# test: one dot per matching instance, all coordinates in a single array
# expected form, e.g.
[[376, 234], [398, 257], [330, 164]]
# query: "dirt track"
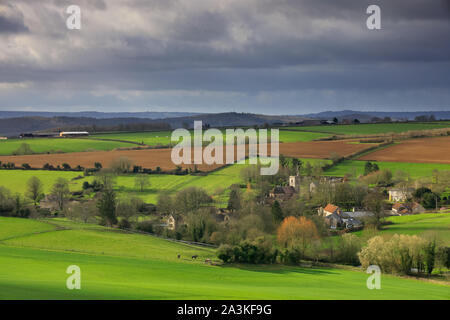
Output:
[[152, 158], [427, 150]]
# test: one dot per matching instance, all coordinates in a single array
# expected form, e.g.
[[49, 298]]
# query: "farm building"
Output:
[[330, 209], [73, 133], [403, 209], [3, 138], [352, 223], [332, 215], [39, 135], [400, 195], [335, 218], [358, 214]]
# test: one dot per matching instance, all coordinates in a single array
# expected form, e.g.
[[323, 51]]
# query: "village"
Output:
[[397, 202]]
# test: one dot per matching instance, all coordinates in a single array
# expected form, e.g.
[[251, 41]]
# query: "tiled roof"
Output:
[[283, 190], [331, 208]]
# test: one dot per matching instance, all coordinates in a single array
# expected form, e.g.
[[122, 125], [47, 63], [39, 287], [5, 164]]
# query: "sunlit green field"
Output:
[[215, 183], [12, 227], [52, 145], [116, 265], [426, 224], [377, 128], [16, 180], [433, 223], [415, 170], [147, 138]]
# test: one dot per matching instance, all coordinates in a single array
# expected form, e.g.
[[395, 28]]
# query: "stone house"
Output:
[[400, 195]]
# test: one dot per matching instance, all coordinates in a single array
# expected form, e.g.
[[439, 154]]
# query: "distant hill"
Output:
[[17, 125], [365, 116], [12, 123], [95, 114]]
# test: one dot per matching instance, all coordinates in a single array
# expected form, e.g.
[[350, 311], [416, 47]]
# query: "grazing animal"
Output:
[[179, 256], [194, 257]]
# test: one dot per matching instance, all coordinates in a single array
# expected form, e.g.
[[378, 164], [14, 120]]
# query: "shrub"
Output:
[[26, 166], [430, 255], [225, 253], [291, 256], [124, 224], [145, 226], [430, 200], [443, 257], [66, 166], [48, 166], [258, 251], [349, 247], [420, 192]]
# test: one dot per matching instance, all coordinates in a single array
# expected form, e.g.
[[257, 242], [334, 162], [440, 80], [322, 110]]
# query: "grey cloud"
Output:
[[11, 20], [240, 47]]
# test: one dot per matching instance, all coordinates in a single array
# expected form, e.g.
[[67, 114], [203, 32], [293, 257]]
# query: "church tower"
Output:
[[294, 182]]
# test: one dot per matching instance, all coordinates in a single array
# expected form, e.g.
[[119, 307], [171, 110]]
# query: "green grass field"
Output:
[[116, 265], [292, 136], [437, 224], [52, 145], [11, 228], [378, 128], [16, 180], [147, 138], [215, 183], [164, 137], [356, 168]]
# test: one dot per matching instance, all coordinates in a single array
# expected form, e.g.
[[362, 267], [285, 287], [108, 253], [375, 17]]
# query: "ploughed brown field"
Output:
[[152, 158], [427, 150], [322, 149]]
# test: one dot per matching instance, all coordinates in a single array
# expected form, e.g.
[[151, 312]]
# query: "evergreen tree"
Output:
[[277, 213], [234, 202], [367, 168]]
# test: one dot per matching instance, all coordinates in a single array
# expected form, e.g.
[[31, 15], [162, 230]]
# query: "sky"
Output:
[[258, 56]]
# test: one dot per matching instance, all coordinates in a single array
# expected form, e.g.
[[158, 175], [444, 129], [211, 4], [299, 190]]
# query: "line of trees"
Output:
[[401, 254]]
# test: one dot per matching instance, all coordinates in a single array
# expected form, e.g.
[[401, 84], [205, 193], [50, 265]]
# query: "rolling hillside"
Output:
[[117, 265]]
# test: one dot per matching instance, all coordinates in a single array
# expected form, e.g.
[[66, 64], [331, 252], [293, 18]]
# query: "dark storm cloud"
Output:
[[11, 21], [256, 48]]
